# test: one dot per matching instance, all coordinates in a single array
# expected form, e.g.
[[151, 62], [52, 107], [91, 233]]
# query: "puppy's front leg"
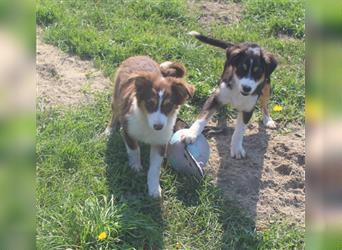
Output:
[[156, 158], [264, 98], [114, 123], [214, 102], [133, 151], [236, 149]]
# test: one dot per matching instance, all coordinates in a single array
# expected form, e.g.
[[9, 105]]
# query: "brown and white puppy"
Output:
[[245, 78], [146, 101]]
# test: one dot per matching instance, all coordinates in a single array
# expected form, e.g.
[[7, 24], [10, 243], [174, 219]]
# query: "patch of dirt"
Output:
[[270, 181], [219, 11], [65, 79]]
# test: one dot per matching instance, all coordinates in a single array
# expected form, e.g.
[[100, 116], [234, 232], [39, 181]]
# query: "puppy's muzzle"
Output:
[[246, 90], [158, 126]]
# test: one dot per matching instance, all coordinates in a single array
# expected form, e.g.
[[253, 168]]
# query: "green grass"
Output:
[[84, 186], [108, 32]]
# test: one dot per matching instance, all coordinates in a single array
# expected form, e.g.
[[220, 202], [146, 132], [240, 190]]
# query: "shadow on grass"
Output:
[[236, 178], [236, 228], [130, 190]]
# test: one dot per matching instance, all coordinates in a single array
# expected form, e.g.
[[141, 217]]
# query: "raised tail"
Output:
[[211, 41]]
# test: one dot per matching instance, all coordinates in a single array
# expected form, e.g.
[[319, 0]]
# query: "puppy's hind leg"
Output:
[[114, 123], [264, 98]]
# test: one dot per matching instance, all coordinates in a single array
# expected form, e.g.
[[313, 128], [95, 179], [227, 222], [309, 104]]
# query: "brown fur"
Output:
[[264, 98], [174, 70], [140, 77]]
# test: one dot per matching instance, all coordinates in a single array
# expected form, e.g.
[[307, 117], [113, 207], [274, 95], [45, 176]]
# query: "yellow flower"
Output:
[[178, 246], [102, 236], [277, 108]]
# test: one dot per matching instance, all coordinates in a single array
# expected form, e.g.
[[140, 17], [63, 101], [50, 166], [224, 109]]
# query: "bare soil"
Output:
[[269, 182], [223, 12], [65, 79]]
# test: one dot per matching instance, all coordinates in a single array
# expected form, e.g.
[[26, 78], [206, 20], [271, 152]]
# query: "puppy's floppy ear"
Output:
[[142, 83], [172, 69], [181, 91], [233, 53], [271, 63]]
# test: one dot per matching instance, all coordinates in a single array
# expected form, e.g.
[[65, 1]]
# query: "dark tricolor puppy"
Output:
[[146, 101], [245, 78]]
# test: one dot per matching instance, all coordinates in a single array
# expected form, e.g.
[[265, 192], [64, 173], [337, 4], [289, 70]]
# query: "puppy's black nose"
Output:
[[158, 126], [246, 88]]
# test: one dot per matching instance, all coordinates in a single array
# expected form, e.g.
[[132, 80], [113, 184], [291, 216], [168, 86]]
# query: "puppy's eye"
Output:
[[167, 107], [150, 104]]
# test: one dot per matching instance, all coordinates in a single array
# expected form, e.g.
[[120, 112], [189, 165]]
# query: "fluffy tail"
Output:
[[172, 69], [211, 41]]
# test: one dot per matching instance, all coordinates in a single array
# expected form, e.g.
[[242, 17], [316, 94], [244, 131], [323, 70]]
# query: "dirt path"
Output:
[[269, 182]]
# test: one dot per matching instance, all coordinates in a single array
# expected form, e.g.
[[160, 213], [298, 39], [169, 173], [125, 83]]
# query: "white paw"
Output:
[[237, 152], [188, 136], [136, 167], [269, 123], [134, 163], [154, 192], [108, 132]]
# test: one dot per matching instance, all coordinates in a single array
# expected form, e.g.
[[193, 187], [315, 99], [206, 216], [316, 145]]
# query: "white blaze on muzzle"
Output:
[[157, 120], [247, 83]]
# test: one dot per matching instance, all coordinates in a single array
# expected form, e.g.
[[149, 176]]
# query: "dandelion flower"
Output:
[[102, 236], [178, 245], [277, 108]]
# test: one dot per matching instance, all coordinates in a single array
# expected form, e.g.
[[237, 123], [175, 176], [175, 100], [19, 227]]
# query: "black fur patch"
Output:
[[247, 116]]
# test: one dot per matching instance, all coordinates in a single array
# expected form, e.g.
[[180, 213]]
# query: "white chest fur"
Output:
[[139, 129], [235, 98]]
